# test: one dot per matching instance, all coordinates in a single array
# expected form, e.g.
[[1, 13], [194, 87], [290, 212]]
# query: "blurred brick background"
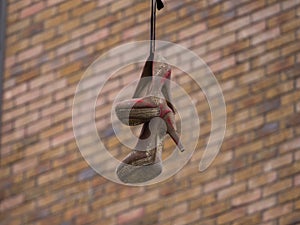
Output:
[[253, 48]]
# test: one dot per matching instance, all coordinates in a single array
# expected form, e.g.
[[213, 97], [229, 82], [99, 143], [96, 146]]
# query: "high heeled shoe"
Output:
[[141, 166], [153, 110], [141, 110]]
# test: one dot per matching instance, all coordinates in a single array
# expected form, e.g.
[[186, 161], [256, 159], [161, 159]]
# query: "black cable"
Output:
[[159, 5]]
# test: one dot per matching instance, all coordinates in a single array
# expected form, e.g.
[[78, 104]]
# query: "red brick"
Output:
[[191, 31], [223, 64], [207, 36], [236, 24], [95, 37], [265, 59], [251, 77], [54, 2], [62, 138], [70, 46], [266, 36], [17, 90], [12, 202], [297, 178], [26, 119], [30, 53], [217, 184], [222, 42], [249, 7], [17, 5], [289, 3], [251, 53], [26, 12], [24, 165], [261, 205], [116, 208], [131, 216], [266, 12]]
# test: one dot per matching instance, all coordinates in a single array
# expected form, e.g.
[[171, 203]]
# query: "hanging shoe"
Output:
[[144, 165], [141, 110]]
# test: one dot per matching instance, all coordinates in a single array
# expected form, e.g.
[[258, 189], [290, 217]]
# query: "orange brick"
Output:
[[289, 170], [150, 196], [282, 40], [246, 198], [49, 177], [249, 220], [189, 217], [236, 47], [247, 173], [281, 18], [231, 215], [290, 218], [220, 19], [277, 212], [169, 213], [45, 14], [249, 7], [278, 162], [277, 187], [56, 21], [19, 25], [235, 71], [231, 191], [280, 64], [56, 42], [12, 202], [216, 209]]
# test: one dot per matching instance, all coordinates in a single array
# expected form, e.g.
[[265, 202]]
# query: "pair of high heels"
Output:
[[157, 115]]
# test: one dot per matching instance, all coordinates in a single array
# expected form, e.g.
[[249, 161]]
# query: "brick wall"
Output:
[[252, 46]]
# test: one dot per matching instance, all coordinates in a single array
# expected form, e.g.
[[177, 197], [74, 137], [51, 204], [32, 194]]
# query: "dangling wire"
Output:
[[159, 5]]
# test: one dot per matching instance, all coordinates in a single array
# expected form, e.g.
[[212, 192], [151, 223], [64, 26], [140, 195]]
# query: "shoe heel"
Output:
[[174, 135], [171, 130]]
